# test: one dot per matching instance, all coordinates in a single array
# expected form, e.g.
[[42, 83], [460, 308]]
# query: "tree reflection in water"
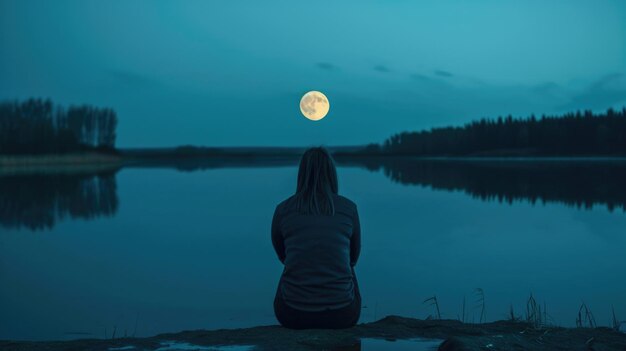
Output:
[[579, 183], [38, 201]]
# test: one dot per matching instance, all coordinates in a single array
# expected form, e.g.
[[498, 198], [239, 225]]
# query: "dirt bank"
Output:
[[501, 335]]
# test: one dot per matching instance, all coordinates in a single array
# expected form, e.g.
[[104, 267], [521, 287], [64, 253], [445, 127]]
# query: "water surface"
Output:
[[166, 247]]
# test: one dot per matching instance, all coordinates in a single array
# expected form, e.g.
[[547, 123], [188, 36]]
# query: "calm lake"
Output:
[[163, 246]]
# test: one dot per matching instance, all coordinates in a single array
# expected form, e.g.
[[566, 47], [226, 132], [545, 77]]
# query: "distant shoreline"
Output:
[[122, 157], [74, 163], [58, 159], [32, 135]]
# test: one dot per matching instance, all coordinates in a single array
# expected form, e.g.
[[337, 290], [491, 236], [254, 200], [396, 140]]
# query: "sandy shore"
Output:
[[68, 163], [77, 158]]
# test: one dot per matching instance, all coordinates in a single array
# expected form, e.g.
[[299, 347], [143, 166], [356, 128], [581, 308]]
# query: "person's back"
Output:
[[318, 255], [316, 234]]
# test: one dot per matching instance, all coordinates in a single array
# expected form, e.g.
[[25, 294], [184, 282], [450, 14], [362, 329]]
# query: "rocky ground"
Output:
[[501, 335]]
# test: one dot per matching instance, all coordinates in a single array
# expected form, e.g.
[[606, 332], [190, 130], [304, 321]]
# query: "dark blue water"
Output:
[[146, 250]]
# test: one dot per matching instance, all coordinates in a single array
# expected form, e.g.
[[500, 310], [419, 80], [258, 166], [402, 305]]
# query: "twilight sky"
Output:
[[224, 73]]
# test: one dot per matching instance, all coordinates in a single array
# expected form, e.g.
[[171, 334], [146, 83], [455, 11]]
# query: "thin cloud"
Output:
[[545, 88], [381, 68], [131, 78], [326, 66], [444, 74], [420, 77], [605, 92]]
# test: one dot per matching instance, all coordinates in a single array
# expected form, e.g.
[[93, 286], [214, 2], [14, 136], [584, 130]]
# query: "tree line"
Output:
[[37, 126], [577, 133]]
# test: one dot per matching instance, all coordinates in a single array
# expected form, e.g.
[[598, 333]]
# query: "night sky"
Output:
[[232, 72]]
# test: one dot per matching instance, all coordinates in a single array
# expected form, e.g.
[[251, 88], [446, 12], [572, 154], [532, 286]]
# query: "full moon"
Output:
[[314, 105]]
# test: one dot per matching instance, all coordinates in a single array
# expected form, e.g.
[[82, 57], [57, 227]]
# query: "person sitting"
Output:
[[317, 236]]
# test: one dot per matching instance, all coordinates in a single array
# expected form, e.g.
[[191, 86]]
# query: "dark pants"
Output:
[[344, 317]]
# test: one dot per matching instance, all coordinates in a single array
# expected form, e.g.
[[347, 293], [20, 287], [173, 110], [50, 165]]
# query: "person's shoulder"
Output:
[[347, 202], [286, 203]]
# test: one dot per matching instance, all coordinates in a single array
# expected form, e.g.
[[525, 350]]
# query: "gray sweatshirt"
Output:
[[318, 252]]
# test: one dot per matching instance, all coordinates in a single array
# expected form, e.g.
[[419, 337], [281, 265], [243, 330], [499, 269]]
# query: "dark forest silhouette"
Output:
[[38, 201], [37, 126], [572, 134]]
